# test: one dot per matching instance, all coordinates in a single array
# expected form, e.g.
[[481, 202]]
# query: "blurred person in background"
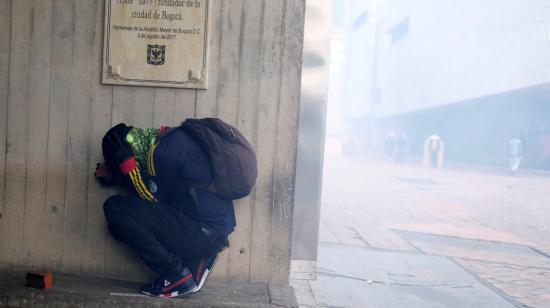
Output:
[[433, 151], [515, 153]]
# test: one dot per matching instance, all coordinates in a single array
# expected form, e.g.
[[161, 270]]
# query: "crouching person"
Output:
[[177, 228]]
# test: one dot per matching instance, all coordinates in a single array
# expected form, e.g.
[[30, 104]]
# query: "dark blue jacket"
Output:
[[173, 164]]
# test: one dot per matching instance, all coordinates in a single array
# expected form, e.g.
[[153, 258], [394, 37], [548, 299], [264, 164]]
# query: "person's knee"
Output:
[[115, 215], [121, 208], [113, 206]]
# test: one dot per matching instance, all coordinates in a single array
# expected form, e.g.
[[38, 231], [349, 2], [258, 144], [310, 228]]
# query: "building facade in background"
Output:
[[475, 73]]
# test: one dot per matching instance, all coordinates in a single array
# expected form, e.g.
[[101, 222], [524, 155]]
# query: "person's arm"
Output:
[[134, 177]]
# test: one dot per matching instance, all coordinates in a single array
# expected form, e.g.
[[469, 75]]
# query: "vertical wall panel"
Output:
[[79, 134], [183, 106], [228, 65], [205, 105], [123, 108], [55, 111], [287, 136], [226, 106], [164, 106], [60, 89], [101, 104], [39, 87], [144, 103], [11, 242], [246, 122], [268, 100], [5, 28]]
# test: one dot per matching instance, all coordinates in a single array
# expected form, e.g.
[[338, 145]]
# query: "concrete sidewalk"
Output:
[[77, 291], [351, 276], [407, 236]]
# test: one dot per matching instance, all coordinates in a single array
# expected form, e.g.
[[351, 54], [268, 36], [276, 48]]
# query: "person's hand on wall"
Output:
[[103, 174]]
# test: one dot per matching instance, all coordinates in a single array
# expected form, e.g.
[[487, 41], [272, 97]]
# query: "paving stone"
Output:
[[362, 277]]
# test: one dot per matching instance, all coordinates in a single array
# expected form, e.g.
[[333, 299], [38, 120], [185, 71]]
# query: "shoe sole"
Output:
[[168, 295], [204, 277]]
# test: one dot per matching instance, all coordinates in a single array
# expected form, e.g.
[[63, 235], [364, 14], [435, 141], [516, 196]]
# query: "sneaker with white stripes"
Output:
[[167, 287]]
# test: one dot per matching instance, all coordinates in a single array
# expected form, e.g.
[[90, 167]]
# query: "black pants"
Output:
[[165, 238]]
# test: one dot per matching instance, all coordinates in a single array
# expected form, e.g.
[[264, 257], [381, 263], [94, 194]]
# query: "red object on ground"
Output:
[[39, 280]]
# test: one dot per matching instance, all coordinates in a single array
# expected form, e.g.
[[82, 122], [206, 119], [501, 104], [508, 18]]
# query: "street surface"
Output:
[[410, 236]]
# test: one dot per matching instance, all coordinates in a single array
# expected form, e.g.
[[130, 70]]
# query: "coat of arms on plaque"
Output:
[[156, 54]]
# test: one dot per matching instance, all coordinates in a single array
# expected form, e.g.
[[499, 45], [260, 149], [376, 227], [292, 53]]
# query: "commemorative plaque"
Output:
[[160, 43]]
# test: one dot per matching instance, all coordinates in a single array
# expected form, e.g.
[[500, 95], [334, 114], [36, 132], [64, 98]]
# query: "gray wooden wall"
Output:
[[54, 112]]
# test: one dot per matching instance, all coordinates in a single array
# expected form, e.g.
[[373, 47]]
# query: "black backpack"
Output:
[[231, 157]]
